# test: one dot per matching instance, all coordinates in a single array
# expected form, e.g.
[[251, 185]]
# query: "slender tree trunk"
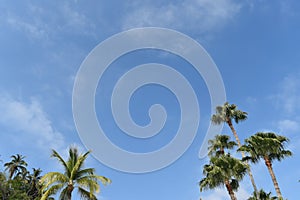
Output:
[[229, 122], [230, 191], [270, 168]]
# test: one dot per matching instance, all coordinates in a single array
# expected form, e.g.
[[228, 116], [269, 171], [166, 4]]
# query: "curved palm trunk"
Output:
[[230, 191], [270, 168], [229, 122]]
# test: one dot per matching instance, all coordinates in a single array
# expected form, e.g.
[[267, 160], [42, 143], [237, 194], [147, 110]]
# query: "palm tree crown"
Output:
[[219, 144], [16, 166], [227, 112], [223, 170], [265, 145], [262, 196], [74, 176], [269, 147]]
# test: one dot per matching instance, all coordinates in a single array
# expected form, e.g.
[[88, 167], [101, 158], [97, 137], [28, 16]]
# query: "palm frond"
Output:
[[84, 194], [53, 177], [60, 159], [52, 190]]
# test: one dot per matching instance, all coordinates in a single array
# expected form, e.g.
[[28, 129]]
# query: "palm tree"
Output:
[[262, 196], [269, 147], [74, 176], [218, 145], [33, 181], [226, 114], [218, 171], [16, 166], [223, 170]]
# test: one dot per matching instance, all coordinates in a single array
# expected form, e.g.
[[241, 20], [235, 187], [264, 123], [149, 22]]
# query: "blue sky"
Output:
[[254, 43]]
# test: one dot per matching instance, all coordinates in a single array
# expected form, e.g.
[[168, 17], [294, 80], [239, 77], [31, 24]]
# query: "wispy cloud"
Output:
[[199, 15], [289, 126], [287, 104], [288, 96], [48, 22], [28, 122]]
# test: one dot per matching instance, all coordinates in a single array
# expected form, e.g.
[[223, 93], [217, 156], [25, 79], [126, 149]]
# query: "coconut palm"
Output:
[[33, 181], [16, 166], [263, 196], [269, 147], [226, 114], [218, 145], [74, 176], [223, 170]]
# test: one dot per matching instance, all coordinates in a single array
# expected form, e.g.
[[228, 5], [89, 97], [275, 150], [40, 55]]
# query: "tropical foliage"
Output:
[[74, 176], [16, 166], [269, 147], [222, 169], [226, 114], [19, 184], [262, 195]]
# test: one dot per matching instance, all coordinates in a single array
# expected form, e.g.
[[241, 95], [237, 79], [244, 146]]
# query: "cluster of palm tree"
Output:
[[17, 183], [223, 169]]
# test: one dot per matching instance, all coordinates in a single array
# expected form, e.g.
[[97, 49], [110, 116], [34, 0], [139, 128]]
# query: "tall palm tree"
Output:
[[74, 176], [262, 196], [16, 166], [223, 170], [269, 147], [226, 114], [218, 145]]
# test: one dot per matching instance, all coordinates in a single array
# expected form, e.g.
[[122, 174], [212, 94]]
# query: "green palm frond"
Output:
[[78, 164], [60, 159], [266, 144], [84, 172], [219, 144], [228, 112], [53, 177], [221, 169], [89, 183], [103, 179], [64, 194], [84, 194], [52, 190], [74, 176]]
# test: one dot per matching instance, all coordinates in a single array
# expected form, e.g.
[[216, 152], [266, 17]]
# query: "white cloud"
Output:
[[34, 30], [288, 126], [288, 97], [28, 122], [48, 22], [200, 15]]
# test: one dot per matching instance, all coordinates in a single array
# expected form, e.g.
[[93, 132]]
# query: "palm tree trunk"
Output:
[[70, 190], [229, 122], [270, 168], [230, 191]]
